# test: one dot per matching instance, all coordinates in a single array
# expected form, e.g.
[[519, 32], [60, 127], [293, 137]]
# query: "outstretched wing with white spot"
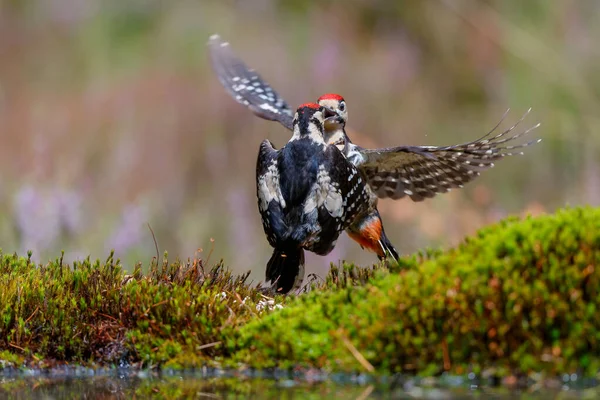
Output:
[[423, 171], [246, 86]]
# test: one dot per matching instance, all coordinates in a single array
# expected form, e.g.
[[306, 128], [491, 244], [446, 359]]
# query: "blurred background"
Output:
[[111, 118]]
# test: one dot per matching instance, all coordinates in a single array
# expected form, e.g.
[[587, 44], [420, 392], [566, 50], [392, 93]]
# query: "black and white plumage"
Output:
[[246, 86], [307, 194]]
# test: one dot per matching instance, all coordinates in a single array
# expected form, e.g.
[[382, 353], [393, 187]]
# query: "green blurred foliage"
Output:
[[113, 104]]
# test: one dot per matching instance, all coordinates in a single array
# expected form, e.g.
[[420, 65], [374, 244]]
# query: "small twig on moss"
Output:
[[156, 305], [237, 295], [208, 345], [359, 357], [266, 297], [212, 247], [446, 355], [155, 243], [209, 395], [62, 254], [232, 315], [32, 314], [108, 316], [17, 347]]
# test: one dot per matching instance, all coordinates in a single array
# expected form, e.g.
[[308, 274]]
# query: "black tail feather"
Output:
[[388, 247], [285, 270]]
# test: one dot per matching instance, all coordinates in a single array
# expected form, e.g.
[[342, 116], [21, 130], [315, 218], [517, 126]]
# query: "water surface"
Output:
[[77, 383]]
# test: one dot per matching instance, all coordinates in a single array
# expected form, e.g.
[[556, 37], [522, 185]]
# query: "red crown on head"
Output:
[[314, 106], [331, 96]]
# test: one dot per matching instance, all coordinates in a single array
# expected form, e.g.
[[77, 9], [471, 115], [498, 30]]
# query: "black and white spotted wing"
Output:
[[423, 171], [271, 203], [246, 86], [341, 194]]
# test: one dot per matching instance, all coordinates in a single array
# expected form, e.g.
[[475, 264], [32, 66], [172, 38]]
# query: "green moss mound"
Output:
[[177, 314], [519, 296]]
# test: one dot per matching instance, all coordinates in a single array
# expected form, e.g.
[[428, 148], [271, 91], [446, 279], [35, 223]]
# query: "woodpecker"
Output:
[[417, 172], [307, 193], [367, 229]]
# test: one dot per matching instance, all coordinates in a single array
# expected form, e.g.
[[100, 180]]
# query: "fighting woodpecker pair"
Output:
[[418, 172]]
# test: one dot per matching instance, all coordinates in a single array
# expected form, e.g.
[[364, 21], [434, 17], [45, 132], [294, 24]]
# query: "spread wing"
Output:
[[423, 171], [246, 86]]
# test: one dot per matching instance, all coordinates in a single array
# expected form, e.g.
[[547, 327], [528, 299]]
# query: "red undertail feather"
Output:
[[369, 236]]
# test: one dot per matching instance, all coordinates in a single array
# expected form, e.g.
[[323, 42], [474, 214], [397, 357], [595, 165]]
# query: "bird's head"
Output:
[[338, 105], [310, 119]]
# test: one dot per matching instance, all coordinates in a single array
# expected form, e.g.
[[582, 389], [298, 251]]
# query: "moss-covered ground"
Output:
[[519, 296]]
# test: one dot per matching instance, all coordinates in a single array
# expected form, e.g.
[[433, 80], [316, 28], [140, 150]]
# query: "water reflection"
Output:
[[124, 384]]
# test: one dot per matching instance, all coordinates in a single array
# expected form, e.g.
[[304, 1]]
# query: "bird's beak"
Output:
[[328, 113], [331, 117]]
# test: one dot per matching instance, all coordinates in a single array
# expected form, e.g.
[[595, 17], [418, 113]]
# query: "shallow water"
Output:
[[77, 383]]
